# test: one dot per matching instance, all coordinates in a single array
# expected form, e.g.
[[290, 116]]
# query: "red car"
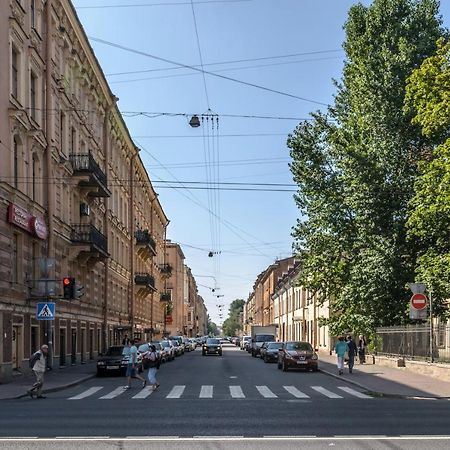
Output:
[[297, 354]]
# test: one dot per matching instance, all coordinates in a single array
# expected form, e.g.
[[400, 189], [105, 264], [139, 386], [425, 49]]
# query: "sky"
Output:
[[271, 64]]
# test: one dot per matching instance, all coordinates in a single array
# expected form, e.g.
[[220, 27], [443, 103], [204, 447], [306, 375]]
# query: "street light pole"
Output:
[[431, 325]]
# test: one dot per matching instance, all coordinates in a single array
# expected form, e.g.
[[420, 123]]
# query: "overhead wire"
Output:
[[137, 5]]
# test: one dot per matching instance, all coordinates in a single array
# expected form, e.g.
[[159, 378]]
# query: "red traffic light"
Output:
[[66, 281]]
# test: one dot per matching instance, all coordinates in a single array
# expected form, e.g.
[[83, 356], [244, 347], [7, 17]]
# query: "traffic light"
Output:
[[69, 288], [79, 291]]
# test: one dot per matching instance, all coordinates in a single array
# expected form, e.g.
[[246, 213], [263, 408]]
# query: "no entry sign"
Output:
[[419, 301]]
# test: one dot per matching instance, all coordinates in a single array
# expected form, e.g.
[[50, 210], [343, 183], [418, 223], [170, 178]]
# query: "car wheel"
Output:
[[279, 366], [315, 369], [265, 359], [253, 354], [203, 353], [285, 366], [220, 353]]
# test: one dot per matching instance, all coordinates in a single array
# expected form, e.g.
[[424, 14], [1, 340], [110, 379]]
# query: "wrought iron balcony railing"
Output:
[[85, 163], [89, 234], [144, 279]]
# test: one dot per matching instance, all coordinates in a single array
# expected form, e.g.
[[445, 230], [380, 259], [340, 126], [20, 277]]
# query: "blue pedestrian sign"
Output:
[[45, 311]]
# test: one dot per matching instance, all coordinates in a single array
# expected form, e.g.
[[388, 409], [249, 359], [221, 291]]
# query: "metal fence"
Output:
[[413, 342]]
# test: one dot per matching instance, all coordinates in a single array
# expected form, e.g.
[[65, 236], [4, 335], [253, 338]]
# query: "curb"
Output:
[[56, 388], [382, 394]]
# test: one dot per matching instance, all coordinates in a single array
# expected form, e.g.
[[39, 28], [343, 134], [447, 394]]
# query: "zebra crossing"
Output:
[[233, 392]]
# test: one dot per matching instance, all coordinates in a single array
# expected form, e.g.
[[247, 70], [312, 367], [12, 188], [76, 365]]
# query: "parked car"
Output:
[[269, 351], [160, 351], [169, 349], [244, 341], [212, 346], [237, 341], [180, 340], [189, 345], [114, 362], [179, 350], [300, 355], [224, 341]]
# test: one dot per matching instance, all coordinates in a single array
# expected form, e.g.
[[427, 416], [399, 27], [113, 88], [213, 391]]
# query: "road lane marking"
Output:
[[176, 392], [115, 393], [206, 392], [295, 392], [148, 390], [325, 392], [236, 392], [353, 392], [86, 393], [266, 392]]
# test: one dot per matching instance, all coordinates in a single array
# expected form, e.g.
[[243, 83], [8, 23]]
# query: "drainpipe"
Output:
[[106, 149], [48, 157], [152, 268], [132, 252]]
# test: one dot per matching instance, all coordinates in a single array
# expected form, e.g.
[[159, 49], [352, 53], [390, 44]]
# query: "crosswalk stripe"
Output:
[[325, 392], [86, 393], [295, 392], [236, 392], [353, 392], [266, 392], [115, 393], [206, 392], [176, 392], [148, 390]]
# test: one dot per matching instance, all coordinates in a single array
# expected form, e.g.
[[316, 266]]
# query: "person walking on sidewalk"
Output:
[[151, 361], [352, 351], [38, 364], [362, 343], [341, 348], [131, 367]]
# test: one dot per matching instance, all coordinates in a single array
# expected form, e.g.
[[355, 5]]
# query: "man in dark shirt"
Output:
[[352, 351]]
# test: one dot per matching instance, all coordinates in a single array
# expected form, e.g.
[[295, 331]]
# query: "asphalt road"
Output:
[[234, 395]]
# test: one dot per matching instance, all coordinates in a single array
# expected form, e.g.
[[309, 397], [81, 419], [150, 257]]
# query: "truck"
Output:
[[261, 334]]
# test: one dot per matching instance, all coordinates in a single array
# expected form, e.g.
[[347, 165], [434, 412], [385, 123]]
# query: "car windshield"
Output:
[[114, 351], [275, 345], [247, 338], [165, 344], [302, 346], [212, 341], [264, 338]]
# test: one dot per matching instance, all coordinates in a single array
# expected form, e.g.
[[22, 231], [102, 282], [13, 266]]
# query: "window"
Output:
[[33, 13], [62, 131], [35, 177], [16, 161], [15, 259], [73, 140], [33, 83], [14, 73]]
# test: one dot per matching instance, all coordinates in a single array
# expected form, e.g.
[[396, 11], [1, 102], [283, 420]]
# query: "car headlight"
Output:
[[314, 357], [101, 363]]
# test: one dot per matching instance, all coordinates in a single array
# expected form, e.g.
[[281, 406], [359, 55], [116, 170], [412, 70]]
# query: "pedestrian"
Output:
[[151, 361], [38, 364], [131, 366], [125, 340], [341, 348], [352, 351], [362, 344]]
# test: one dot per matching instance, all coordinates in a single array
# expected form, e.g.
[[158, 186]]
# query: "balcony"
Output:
[[166, 270], [88, 243], [91, 176], [165, 296], [145, 243], [145, 283]]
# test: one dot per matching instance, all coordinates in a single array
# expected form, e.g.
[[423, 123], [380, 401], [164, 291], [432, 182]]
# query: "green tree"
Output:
[[233, 324], [355, 167], [212, 327], [428, 96]]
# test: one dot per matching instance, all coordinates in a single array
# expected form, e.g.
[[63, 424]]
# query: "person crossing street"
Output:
[[341, 349], [38, 364], [131, 367]]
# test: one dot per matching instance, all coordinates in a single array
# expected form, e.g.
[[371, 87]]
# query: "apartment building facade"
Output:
[[75, 198]]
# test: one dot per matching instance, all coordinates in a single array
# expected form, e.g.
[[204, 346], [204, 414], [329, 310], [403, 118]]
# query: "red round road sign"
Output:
[[419, 301]]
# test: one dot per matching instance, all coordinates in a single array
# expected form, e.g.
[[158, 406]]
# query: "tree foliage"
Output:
[[232, 325], [428, 96], [355, 168], [212, 327]]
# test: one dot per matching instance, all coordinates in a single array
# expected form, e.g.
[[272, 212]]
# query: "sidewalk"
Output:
[[387, 381], [55, 380]]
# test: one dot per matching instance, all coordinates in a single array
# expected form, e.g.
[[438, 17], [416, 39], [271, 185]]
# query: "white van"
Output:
[[244, 340]]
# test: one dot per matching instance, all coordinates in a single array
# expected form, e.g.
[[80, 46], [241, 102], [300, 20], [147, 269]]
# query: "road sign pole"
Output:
[[431, 326]]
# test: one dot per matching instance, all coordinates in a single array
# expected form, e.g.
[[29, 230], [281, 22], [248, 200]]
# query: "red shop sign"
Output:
[[21, 218]]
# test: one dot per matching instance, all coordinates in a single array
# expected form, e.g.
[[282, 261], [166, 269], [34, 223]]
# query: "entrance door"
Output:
[[17, 346], [62, 346], [83, 344], [91, 344], [74, 346]]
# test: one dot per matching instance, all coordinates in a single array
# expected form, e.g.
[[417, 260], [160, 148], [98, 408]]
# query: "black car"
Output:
[[269, 351], [113, 362], [212, 346]]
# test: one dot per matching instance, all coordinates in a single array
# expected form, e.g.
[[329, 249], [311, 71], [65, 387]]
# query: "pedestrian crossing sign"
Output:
[[45, 311]]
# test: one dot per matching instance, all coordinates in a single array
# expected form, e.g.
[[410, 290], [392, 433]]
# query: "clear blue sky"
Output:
[[249, 229]]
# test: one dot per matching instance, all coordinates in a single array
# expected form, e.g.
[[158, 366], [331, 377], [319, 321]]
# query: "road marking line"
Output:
[[266, 392], [115, 393], [86, 393], [295, 392], [206, 392], [351, 391], [236, 392], [148, 390], [176, 392], [325, 392]]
